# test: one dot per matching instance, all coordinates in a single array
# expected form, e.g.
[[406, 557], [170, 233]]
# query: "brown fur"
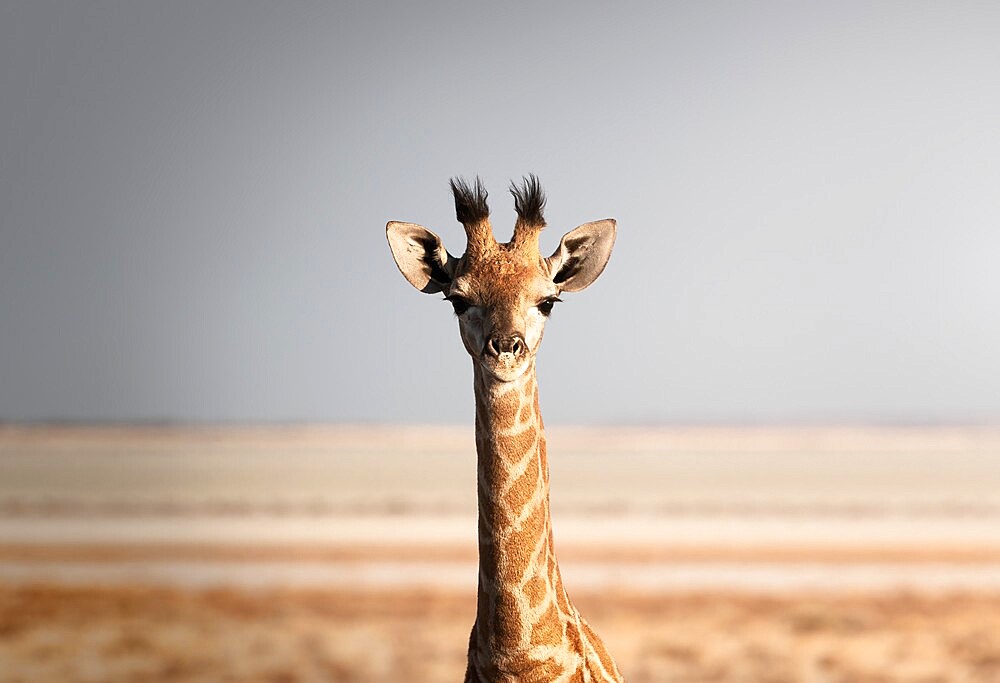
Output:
[[519, 560]]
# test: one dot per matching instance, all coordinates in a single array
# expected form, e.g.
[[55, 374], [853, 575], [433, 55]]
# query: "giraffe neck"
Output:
[[521, 601], [526, 629]]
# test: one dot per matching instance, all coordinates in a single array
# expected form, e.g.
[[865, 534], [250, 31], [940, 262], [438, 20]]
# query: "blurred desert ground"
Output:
[[315, 553]]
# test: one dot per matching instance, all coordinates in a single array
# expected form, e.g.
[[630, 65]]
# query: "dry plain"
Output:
[[312, 553]]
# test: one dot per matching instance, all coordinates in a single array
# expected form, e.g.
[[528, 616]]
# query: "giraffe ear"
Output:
[[421, 257], [582, 255]]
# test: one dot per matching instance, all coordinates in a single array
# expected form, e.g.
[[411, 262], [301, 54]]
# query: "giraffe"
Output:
[[526, 628]]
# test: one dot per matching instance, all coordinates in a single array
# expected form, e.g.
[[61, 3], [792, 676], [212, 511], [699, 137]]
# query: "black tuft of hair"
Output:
[[529, 200], [470, 202]]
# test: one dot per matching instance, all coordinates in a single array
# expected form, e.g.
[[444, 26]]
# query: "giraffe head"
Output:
[[502, 292]]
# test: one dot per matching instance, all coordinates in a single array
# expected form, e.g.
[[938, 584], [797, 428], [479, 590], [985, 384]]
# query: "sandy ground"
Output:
[[348, 554], [52, 633]]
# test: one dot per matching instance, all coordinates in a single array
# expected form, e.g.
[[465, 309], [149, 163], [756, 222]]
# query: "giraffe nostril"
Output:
[[513, 345]]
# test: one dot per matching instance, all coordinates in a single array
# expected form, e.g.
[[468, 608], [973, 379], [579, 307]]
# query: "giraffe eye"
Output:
[[460, 304], [545, 306]]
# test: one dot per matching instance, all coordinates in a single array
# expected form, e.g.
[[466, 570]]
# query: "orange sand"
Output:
[[66, 635]]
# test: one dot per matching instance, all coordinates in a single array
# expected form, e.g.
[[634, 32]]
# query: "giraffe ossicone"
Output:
[[526, 629]]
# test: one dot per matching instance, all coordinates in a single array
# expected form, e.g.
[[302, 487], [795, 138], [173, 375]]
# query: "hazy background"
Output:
[[193, 199]]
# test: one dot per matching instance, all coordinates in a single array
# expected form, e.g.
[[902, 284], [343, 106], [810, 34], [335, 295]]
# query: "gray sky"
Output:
[[193, 199]]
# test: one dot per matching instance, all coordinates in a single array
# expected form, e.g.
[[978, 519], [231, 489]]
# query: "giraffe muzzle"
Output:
[[505, 357], [497, 346]]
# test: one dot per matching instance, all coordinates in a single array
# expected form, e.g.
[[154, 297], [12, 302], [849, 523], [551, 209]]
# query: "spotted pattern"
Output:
[[526, 628]]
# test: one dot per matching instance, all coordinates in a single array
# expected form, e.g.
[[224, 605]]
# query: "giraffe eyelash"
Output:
[[460, 304], [545, 305]]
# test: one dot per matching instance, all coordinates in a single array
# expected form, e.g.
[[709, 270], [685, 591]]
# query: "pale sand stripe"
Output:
[[110, 553], [462, 576], [889, 531]]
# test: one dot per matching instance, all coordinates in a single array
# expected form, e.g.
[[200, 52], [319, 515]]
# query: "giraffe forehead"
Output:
[[506, 274]]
